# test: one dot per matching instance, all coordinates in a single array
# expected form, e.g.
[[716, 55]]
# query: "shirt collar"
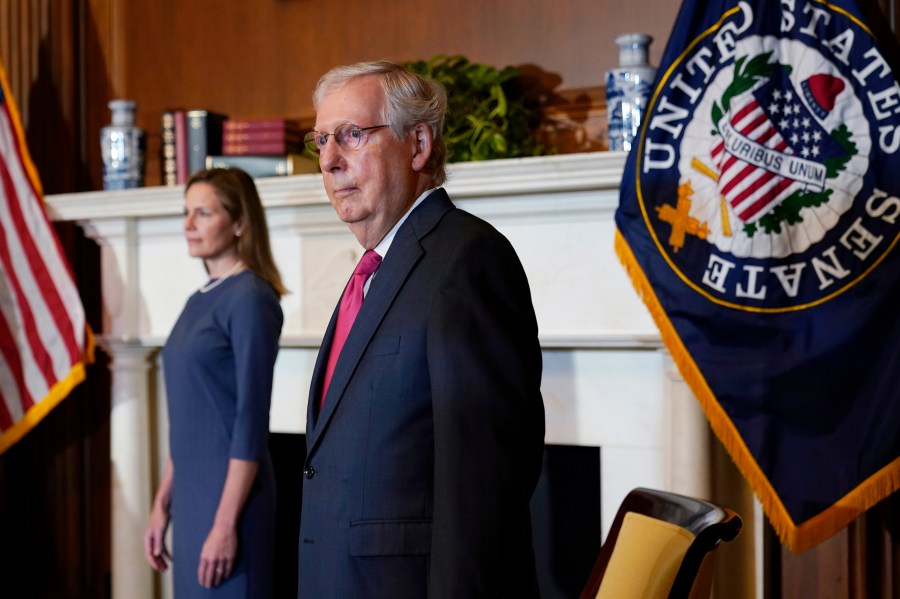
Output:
[[384, 245]]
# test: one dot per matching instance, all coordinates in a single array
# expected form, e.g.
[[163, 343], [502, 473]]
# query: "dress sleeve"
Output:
[[255, 327]]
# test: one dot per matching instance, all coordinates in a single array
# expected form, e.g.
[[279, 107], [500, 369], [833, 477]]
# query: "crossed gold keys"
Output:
[[679, 217]]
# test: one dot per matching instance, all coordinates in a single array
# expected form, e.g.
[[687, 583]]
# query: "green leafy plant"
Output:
[[488, 114]]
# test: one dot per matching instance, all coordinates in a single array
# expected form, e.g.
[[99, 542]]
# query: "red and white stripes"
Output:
[[43, 334]]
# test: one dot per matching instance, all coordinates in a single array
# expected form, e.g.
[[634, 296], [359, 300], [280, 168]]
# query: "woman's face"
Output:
[[209, 230]]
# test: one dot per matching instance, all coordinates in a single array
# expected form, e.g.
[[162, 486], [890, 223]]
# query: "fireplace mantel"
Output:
[[518, 176], [557, 210]]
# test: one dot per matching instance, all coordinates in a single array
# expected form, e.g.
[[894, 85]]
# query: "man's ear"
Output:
[[422, 138]]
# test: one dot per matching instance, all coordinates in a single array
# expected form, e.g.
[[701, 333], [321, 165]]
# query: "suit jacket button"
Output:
[[309, 472]]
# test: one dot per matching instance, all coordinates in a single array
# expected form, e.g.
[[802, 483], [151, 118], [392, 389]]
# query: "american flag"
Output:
[[44, 339], [772, 145]]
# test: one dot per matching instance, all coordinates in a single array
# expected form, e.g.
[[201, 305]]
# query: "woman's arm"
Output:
[[254, 328], [221, 545], [155, 537]]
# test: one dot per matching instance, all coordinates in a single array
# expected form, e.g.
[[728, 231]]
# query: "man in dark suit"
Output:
[[425, 429]]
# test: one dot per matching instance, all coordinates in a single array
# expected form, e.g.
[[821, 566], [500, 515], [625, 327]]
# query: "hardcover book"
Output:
[[243, 125], [167, 160], [181, 147], [204, 137], [258, 135], [266, 166], [262, 147]]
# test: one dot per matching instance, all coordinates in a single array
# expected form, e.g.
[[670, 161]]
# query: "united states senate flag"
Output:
[[759, 219]]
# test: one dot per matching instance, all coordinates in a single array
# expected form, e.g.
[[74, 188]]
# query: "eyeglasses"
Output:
[[347, 136]]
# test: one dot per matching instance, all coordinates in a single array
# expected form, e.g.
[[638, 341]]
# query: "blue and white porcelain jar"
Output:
[[628, 88], [122, 146]]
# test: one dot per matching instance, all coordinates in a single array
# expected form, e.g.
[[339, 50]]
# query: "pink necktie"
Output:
[[351, 302]]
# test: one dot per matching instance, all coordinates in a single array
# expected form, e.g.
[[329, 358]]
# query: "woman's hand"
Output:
[[221, 545], [217, 556], [155, 539]]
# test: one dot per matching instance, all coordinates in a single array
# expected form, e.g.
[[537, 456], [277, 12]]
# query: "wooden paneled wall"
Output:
[[259, 58], [40, 50]]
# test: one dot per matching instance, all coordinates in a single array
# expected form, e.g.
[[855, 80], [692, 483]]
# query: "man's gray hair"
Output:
[[410, 99]]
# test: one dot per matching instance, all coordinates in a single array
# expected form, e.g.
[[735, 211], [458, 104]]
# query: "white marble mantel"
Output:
[[557, 211], [607, 380]]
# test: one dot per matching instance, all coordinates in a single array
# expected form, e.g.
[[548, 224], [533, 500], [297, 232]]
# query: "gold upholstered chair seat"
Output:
[[660, 547]]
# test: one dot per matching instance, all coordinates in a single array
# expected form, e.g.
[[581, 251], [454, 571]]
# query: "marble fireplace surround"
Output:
[[607, 381]]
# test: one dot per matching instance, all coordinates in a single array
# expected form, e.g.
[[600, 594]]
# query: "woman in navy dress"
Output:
[[218, 488]]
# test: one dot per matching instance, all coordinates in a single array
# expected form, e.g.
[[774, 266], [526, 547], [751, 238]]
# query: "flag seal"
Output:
[[774, 134]]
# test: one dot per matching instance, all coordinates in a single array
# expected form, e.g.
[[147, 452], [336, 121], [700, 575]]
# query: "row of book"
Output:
[[196, 139]]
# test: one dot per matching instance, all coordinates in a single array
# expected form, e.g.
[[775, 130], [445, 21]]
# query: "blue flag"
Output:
[[759, 220]]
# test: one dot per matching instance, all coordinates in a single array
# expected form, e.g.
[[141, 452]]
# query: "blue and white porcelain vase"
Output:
[[122, 146], [628, 88]]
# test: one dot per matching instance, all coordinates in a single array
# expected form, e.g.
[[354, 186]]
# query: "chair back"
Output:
[[660, 547]]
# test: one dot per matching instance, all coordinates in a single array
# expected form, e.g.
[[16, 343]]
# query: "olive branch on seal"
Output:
[[746, 75]]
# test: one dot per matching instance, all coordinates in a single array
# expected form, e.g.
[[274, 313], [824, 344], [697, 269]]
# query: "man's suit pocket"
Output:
[[383, 346], [390, 537]]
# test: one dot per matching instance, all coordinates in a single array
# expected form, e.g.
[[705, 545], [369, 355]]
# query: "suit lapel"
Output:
[[404, 253], [315, 387]]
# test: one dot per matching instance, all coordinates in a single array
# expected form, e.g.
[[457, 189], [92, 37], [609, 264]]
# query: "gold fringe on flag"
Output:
[[795, 537], [58, 392]]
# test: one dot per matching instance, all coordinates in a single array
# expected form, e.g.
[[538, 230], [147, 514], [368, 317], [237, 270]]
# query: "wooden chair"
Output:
[[660, 546]]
